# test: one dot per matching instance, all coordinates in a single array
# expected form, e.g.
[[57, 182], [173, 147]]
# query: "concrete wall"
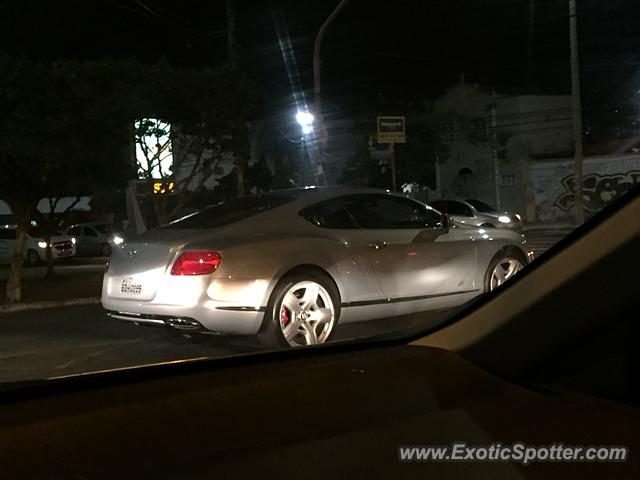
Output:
[[605, 178]]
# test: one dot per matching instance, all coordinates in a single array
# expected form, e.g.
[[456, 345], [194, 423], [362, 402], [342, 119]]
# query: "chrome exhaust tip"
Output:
[[183, 323]]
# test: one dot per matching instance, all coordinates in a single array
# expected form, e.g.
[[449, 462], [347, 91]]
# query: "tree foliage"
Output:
[[415, 159], [208, 110], [63, 128], [67, 129], [260, 174], [63, 132]]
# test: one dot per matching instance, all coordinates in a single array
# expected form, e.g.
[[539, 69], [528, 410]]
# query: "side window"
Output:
[[380, 211], [441, 205], [89, 232], [452, 208], [330, 214], [459, 208], [74, 231]]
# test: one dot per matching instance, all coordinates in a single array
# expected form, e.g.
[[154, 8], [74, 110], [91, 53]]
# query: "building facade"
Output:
[[493, 139]]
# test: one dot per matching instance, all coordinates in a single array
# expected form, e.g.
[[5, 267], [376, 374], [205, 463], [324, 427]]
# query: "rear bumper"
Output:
[[62, 249], [234, 320], [179, 323], [222, 305]]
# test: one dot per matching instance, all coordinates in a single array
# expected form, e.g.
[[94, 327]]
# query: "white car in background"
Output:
[[94, 239], [62, 246], [475, 213]]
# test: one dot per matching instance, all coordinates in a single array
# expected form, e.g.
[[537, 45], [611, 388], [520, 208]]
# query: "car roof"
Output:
[[458, 200], [329, 191], [89, 224], [307, 196]]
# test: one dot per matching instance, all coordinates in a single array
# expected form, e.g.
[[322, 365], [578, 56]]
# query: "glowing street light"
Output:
[[305, 119]]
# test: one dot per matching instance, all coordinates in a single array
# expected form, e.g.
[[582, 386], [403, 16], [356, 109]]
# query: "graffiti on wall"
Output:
[[597, 190]]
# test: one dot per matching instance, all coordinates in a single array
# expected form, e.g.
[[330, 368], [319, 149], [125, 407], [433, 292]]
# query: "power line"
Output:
[[145, 11]]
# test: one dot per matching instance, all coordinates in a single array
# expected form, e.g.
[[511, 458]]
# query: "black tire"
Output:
[[105, 250], [270, 334], [31, 258], [508, 252]]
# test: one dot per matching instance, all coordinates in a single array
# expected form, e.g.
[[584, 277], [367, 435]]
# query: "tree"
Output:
[[363, 168], [286, 171], [415, 159], [200, 117], [260, 175], [62, 133]]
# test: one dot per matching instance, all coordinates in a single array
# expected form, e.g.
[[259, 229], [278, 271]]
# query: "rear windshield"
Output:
[[226, 213], [480, 206]]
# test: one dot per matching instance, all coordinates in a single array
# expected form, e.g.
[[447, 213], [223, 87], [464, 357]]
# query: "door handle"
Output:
[[378, 245]]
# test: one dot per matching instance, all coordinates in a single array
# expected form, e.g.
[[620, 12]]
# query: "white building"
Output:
[[492, 139]]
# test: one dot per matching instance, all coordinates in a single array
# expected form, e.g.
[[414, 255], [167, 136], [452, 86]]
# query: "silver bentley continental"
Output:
[[293, 266]]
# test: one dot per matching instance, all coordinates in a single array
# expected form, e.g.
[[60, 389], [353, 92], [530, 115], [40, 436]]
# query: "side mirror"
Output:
[[445, 222]]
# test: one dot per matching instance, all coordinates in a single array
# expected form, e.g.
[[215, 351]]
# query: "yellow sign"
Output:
[[163, 187], [391, 130]]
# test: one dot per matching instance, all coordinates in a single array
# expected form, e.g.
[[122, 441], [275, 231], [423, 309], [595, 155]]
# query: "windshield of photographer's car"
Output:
[[375, 167]]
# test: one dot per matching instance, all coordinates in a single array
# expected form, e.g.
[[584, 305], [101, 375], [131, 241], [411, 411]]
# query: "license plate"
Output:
[[129, 286]]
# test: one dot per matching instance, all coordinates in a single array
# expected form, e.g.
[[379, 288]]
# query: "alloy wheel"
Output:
[[306, 314], [503, 271]]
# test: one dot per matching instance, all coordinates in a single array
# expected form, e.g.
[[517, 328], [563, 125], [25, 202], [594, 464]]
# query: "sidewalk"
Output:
[[60, 288], [540, 239], [548, 226]]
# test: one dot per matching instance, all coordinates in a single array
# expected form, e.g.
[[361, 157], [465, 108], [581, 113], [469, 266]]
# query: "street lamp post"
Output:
[[316, 56], [317, 89], [305, 120]]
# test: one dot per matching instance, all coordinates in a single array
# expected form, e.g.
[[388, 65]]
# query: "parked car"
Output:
[[94, 239], [290, 265], [62, 246], [478, 214]]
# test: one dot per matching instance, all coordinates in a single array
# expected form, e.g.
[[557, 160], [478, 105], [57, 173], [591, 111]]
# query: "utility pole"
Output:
[[530, 35], [392, 155], [232, 45], [494, 151], [576, 114], [232, 52]]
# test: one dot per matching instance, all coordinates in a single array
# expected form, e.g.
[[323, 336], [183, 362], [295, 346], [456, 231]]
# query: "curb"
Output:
[[548, 226], [20, 307]]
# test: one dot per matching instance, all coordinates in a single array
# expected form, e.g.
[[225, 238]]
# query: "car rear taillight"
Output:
[[199, 262]]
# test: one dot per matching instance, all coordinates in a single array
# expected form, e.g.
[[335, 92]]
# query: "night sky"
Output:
[[402, 49]]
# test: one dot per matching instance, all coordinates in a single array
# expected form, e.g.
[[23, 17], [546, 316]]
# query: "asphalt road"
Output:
[[56, 342]]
